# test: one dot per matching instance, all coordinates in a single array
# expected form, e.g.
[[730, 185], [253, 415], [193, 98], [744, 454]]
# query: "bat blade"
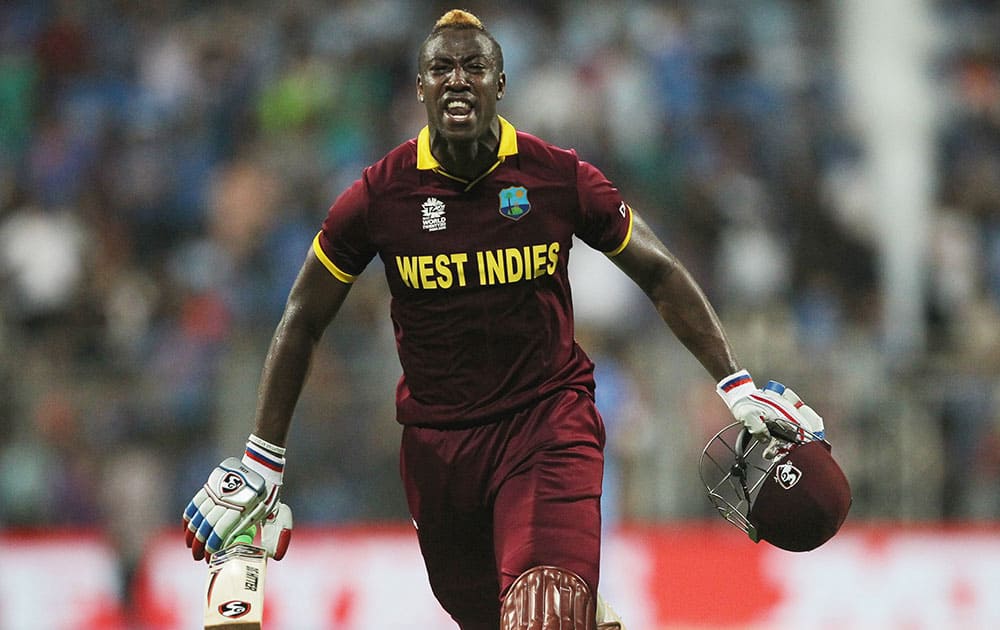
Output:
[[234, 591]]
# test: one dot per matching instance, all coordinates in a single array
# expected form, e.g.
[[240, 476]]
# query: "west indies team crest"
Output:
[[514, 202]]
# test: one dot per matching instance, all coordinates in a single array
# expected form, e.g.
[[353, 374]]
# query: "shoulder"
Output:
[[534, 148], [540, 156], [545, 159], [388, 170]]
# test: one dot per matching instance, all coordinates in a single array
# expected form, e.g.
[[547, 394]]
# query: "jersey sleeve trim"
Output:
[[337, 272], [628, 233]]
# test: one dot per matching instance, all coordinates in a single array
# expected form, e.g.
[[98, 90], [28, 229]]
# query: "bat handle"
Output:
[[246, 537]]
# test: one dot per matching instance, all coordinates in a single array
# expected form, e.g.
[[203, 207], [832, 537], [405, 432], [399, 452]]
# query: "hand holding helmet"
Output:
[[790, 493], [774, 414], [794, 421]]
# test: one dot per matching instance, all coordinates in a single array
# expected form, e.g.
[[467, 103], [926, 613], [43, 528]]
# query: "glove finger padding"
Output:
[[192, 514], [790, 411], [225, 526], [792, 422], [752, 416], [233, 498], [807, 415]]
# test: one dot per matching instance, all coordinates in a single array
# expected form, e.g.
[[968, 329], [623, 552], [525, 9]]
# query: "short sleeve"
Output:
[[344, 245], [605, 221]]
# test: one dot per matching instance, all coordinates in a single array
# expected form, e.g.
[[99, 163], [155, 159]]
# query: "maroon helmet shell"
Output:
[[803, 501]]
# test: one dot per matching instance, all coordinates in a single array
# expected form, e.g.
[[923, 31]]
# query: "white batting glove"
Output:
[[795, 418], [736, 391], [238, 493]]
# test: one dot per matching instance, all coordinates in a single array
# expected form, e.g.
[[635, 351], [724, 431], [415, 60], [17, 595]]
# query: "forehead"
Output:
[[457, 43]]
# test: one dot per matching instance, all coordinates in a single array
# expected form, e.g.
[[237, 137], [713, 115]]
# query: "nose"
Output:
[[458, 78]]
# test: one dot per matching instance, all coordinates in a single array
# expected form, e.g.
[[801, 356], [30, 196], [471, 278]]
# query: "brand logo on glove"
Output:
[[234, 609], [787, 475], [231, 483]]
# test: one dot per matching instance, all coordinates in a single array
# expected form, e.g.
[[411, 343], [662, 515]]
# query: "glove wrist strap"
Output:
[[734, 387], [274, 449], [265, 458]]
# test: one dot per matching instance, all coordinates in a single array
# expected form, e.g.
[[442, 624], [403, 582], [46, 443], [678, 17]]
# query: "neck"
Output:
[[467, 159]]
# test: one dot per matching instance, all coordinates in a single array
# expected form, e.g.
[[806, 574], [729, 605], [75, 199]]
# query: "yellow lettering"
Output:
[[529, 270], [537, 259], [553, 257], [481, 265], [498, 266], [515, 266], [407, 270], [444, 277], [495, 267], [459, 261], [425, 265]]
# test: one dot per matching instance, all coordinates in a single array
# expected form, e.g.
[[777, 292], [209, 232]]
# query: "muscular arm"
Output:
[[678, 298], [315, 298]]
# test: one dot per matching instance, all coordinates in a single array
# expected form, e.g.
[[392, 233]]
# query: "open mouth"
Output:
[[458, 110]]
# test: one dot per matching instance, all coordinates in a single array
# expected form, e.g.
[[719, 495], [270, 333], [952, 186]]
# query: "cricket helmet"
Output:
[[796, 501]]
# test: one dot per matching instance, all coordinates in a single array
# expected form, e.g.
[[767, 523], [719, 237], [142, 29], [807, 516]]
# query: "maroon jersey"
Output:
[[481, 303]]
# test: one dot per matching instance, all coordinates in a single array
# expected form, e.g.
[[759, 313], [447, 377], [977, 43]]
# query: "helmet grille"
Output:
[[732, 467]]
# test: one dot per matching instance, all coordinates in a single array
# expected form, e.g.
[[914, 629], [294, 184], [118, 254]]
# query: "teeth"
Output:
[[453, 105]]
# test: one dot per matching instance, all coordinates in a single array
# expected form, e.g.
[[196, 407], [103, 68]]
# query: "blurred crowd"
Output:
[[165, 164]]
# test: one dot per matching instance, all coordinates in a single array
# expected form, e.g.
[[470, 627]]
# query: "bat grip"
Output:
[[246, 536]]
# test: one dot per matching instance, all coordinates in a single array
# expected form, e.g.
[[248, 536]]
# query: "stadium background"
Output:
[[829, 171]]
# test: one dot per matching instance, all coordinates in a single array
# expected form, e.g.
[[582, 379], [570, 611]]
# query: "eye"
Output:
[[438, 66]]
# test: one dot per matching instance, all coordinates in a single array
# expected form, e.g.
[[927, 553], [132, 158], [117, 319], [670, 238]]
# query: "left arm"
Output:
[[678, 299], [683, 306]]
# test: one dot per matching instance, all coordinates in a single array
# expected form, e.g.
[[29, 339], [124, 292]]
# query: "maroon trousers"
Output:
[[492, 501]]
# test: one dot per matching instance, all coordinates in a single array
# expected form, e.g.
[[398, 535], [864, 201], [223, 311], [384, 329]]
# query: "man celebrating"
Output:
[[502, 445]]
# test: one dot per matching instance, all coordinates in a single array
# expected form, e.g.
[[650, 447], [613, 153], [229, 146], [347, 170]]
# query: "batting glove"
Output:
[[796, 419], [238, 494]]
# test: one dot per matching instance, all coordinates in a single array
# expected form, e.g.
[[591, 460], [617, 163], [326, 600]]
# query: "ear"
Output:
[[501, 85], [420, 89]]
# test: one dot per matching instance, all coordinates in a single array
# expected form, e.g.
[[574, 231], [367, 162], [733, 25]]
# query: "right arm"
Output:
[[240, 493], [313, 302]]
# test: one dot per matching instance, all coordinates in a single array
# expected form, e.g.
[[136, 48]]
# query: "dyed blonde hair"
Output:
[[461, 19], [457, 18]]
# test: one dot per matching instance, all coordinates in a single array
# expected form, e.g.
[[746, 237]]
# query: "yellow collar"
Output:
[[427, 162]]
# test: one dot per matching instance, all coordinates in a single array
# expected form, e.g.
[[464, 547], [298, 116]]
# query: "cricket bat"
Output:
[[234, 591]]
